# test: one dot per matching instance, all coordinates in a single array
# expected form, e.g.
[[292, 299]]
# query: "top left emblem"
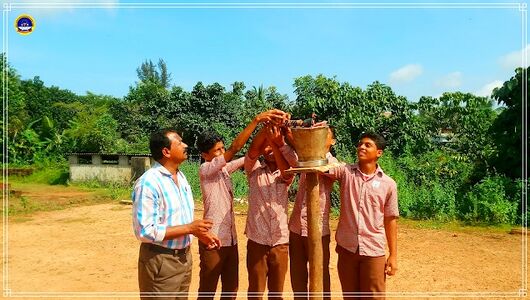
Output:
[[25, 24]]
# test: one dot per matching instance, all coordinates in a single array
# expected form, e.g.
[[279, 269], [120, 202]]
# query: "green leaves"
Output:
[[506, 130]]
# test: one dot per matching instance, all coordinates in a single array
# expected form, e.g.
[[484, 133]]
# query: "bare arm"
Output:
[[255, 147], [391, 237], [273, 115]]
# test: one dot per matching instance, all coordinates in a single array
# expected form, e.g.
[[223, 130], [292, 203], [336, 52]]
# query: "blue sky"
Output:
[[416, 51]]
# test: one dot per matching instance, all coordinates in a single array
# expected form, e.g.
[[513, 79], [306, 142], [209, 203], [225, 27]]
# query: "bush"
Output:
[[433, 201], [239, 184], [191, 171], [487, 202]]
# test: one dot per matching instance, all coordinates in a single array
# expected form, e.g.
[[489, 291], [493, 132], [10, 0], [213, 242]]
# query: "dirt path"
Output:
[[91, 251]]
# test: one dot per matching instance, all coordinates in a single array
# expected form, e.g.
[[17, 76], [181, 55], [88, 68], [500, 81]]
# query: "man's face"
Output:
[[217, 150], [367, 150], [178, 150]]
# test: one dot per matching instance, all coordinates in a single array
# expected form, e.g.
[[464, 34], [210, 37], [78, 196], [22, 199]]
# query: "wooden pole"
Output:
[[314, 236]]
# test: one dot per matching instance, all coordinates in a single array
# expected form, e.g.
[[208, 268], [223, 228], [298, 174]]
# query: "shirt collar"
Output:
[[378, 170], [161, 169]]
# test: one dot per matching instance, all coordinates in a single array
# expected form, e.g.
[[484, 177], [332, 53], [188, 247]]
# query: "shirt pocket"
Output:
[[376, 197]]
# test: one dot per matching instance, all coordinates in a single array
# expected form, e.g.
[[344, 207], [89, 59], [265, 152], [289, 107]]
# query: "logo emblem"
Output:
[[376, 184], [24, 24]]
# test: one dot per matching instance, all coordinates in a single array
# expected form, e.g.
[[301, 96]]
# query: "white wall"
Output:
[[105, 173]]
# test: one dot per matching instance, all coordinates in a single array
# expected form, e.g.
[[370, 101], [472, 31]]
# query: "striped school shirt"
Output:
[[158, 203], [365, 202], [267, 204], [218, 197]]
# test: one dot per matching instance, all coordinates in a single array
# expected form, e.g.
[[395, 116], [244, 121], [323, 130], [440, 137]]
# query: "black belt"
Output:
[[164, 250]]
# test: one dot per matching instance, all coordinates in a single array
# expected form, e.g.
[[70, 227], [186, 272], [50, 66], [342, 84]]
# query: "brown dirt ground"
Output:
[[90, 251]]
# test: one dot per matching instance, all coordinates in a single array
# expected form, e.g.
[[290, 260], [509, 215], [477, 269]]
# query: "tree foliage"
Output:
[[506, 130], [148, 72], [453, 156]]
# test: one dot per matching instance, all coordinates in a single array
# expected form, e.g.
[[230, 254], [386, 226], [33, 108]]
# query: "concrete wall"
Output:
[[104, 173], [123, 172]]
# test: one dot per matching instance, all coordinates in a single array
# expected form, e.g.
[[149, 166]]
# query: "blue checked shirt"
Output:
[[159, 203]]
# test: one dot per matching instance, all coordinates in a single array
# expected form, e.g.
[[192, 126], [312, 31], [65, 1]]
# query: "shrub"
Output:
[[433, 201], [191, 171], [487, 202], [239, 184]]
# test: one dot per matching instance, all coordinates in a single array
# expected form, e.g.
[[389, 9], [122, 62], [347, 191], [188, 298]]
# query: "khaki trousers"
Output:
[[223, 262], [266, 265], [162, 274], [362, 275], [299, 260]]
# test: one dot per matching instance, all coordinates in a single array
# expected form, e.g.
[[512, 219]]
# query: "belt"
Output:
[[164, 250]]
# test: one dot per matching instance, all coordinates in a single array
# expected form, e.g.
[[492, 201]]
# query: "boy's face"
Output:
[[217, 150], [268, 154], [367, 150]]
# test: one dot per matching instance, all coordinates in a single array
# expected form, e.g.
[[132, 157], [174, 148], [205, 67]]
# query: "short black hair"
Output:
[[158, 141], [378, 139], [207, 141]]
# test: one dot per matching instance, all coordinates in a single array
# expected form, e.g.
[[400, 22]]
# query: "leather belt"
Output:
[[164, 250]]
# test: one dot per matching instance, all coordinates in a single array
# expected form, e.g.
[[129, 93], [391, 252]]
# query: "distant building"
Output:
[[445, 135], [106, 167]]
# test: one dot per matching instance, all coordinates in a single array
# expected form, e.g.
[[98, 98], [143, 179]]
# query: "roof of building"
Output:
[[124, 154]]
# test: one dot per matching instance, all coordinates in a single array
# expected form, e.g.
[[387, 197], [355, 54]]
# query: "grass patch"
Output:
[[53, 175], [458, 226], [27, 198], [114, 191]]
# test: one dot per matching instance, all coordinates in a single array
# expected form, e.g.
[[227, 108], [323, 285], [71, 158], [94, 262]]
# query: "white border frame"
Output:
[[522, 7]]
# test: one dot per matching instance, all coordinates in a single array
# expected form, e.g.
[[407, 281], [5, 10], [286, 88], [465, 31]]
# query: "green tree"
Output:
[[354, 111], [13, 99], [466, 117], [506, 131], [94, 130], [46, 101], [259, 99], [157, 74]]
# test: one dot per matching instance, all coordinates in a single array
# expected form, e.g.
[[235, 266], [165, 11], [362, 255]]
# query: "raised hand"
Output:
[[274, 135], [274, 116]]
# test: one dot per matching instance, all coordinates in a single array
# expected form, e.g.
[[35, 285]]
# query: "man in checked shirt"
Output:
[[218, 198], [367, 221], [266, 227], [162, 214]]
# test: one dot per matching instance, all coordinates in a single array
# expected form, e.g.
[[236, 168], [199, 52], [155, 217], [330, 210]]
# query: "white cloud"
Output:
[[486, 90], [451, 80], [514, 59], [406, 73]]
